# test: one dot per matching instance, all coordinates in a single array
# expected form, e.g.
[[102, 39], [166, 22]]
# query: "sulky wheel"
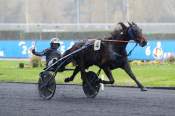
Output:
[[91, 85], [46, 85]]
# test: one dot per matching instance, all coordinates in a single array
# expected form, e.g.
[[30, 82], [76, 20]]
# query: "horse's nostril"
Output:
[[144, 43]]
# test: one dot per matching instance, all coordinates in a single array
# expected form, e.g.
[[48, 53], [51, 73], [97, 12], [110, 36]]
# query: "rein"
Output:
[[103, 40], [117, 41], [122, 41]]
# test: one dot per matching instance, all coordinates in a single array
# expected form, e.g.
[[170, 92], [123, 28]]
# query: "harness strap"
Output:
[[129, 53], [132, 50]]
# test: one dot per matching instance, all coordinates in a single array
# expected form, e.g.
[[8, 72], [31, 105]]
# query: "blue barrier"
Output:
[[21, 49]]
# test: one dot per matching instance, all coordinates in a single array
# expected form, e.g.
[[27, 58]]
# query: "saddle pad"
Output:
[[97, 45]]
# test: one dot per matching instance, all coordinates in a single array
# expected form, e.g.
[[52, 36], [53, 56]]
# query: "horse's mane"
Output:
[[119, 30]]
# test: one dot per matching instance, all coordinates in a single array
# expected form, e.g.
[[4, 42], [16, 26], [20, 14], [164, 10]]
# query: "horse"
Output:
[[112, 53]]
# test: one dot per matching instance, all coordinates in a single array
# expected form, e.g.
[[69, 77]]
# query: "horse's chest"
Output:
[[113, 54], [113, 58]]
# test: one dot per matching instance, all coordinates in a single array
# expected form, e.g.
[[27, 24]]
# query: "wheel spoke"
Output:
[[50, 90], [46, 86], [90, 87]]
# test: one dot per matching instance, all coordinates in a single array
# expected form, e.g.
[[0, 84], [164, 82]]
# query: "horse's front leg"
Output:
[[109, 75], [128, 70], [71, 78]]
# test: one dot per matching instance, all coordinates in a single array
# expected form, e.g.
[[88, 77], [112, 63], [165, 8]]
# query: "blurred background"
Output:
[[24, 21]]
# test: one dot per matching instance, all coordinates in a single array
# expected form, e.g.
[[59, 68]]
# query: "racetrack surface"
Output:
[[69, 100]]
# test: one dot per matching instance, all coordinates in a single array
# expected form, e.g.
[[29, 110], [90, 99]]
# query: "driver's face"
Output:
[[55, 45]]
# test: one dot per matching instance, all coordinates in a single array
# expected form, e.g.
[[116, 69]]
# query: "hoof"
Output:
[[66, 80], [144, 89], [99, 81]]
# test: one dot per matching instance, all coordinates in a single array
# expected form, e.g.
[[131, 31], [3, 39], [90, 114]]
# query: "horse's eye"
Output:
[[135, 33]]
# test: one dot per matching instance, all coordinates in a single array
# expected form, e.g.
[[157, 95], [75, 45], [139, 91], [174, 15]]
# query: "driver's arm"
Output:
[[43, 53]]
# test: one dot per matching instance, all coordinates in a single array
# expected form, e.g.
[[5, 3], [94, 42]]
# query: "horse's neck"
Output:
[[120, 47]]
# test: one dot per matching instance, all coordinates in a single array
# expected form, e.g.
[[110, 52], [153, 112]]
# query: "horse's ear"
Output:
[[133, 23], [129, 24], [124, 27]]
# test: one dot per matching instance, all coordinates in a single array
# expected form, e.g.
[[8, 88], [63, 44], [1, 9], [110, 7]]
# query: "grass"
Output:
[[153, 75]]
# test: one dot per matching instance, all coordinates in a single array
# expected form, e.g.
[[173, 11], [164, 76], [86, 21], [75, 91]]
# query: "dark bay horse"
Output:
[[111, 55]]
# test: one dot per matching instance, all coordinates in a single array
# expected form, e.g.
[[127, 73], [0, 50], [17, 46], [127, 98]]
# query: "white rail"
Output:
[[59, 27]]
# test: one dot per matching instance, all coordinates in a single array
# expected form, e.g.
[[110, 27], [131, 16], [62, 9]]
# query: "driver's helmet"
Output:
[[54, 41]]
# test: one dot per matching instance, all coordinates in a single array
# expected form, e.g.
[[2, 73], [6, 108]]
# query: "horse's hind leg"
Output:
[[109, 75], [71, 78], [128, 70]]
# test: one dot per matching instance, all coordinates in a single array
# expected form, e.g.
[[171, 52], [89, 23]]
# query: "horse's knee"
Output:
[[67, 79], [112, 81]]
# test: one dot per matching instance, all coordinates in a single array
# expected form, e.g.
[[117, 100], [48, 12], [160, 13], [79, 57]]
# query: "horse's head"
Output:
[[131, 32], [135, 33]]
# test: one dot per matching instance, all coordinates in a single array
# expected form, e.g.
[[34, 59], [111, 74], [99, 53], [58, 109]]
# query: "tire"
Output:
[[46, 85], [91, 85]]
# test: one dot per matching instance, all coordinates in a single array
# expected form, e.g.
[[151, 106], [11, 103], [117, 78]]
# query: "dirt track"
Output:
[[69, 100]]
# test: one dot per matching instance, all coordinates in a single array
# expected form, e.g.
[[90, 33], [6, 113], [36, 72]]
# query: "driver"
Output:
[[51, 53]]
